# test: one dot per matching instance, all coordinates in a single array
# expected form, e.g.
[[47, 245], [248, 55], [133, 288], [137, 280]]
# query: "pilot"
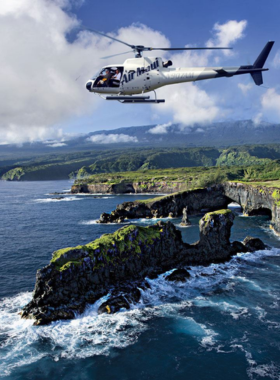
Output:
[[116, 78], [105, 80]]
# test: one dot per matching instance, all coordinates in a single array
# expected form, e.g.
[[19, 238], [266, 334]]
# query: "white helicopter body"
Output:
[[140, 75]]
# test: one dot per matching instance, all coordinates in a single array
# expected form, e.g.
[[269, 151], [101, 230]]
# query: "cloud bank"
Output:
[[276, 60], [43, 74], [160, 129], [227, 34], [188, 103], [112, 139]]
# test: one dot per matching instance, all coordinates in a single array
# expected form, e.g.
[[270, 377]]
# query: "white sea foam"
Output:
[[89, 222], [89, 334], [209, 340], [151, 195], [95, 221], [89, 194], [149, 220], [92, 334], [234, 310], [53, 200], [257, 255], [271, 370]]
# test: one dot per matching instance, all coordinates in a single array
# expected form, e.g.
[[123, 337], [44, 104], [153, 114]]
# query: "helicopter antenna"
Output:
[[138, 49]]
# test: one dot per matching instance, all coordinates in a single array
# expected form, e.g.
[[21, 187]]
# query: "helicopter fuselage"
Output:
[[145, 74]]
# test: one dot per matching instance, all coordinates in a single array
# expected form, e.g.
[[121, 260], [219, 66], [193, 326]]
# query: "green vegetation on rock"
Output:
[[190, 178], [208, 216], [14, 174], [83, 165], [276, 197], [109, 248]]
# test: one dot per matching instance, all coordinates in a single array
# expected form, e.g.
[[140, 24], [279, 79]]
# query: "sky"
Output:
[[46, 59]]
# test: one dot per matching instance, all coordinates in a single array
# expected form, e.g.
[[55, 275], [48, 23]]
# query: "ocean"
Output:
[[222, 324]]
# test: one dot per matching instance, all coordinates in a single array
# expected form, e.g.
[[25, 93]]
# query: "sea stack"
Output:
[[118, 264]]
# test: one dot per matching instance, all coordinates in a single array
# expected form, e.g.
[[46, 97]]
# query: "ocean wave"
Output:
[[53, 200], [95, 221], [151, 195], [271, 370], [88, 335], [149, 221], [95, 196], [88, 222], [92, 334]]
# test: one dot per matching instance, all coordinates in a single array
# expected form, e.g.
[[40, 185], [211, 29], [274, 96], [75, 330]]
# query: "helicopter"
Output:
[[128, 82]]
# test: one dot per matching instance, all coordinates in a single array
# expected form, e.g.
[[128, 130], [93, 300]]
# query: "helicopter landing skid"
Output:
[[134, 99]]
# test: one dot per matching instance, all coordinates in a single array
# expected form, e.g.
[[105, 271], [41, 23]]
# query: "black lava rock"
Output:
[[178, 275]]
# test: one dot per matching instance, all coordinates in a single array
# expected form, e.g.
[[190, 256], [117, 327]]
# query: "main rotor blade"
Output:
[[114, 55], [191, 48], [106, 35]]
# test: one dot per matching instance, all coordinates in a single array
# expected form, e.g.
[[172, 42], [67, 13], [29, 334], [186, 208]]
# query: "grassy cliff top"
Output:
[[217, 212], [112, 162], [264, 183], [193, 176], [272, 185], [109, 248]]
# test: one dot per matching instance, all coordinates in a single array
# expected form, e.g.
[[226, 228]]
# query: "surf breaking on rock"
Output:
[[119, 263]]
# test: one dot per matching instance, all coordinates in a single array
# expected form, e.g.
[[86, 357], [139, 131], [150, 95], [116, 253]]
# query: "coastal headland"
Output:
[[253, 199], [116, 265]]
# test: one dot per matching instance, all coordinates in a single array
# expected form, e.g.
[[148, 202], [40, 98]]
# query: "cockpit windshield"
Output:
[[95, 75], [108, 77]]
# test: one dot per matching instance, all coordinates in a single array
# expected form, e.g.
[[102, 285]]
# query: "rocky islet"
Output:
[[117, 264]]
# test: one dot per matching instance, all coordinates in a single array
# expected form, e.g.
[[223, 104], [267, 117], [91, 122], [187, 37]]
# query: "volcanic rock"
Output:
[[117, 263], [253, 244], [178, 275], [185, 220]]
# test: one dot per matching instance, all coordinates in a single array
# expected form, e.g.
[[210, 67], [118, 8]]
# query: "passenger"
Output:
[[116, 78]]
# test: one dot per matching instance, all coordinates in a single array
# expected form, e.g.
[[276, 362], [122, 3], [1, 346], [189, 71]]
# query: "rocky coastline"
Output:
[[125, 187], [117, 264], [253, 200]]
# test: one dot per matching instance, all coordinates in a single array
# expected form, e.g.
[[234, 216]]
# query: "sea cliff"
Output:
[[117, 264], [124, 187], [253, 200]]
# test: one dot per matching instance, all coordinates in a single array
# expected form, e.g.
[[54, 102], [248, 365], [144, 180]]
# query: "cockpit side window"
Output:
[[109, 77]]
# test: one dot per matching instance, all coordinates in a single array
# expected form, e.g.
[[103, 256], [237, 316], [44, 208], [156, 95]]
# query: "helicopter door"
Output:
[[147, 81]]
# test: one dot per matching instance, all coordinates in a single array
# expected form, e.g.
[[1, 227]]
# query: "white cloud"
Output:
[[188, 103], [56, 145], [270, 107], [245, 87], [160, 129], [233, 30], [112, 139], [43, 75], [271, 102], [14, 134], [258, 118], [276, 60], [228, 34]]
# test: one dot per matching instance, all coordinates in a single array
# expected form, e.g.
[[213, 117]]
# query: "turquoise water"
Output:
[[223, 325]]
